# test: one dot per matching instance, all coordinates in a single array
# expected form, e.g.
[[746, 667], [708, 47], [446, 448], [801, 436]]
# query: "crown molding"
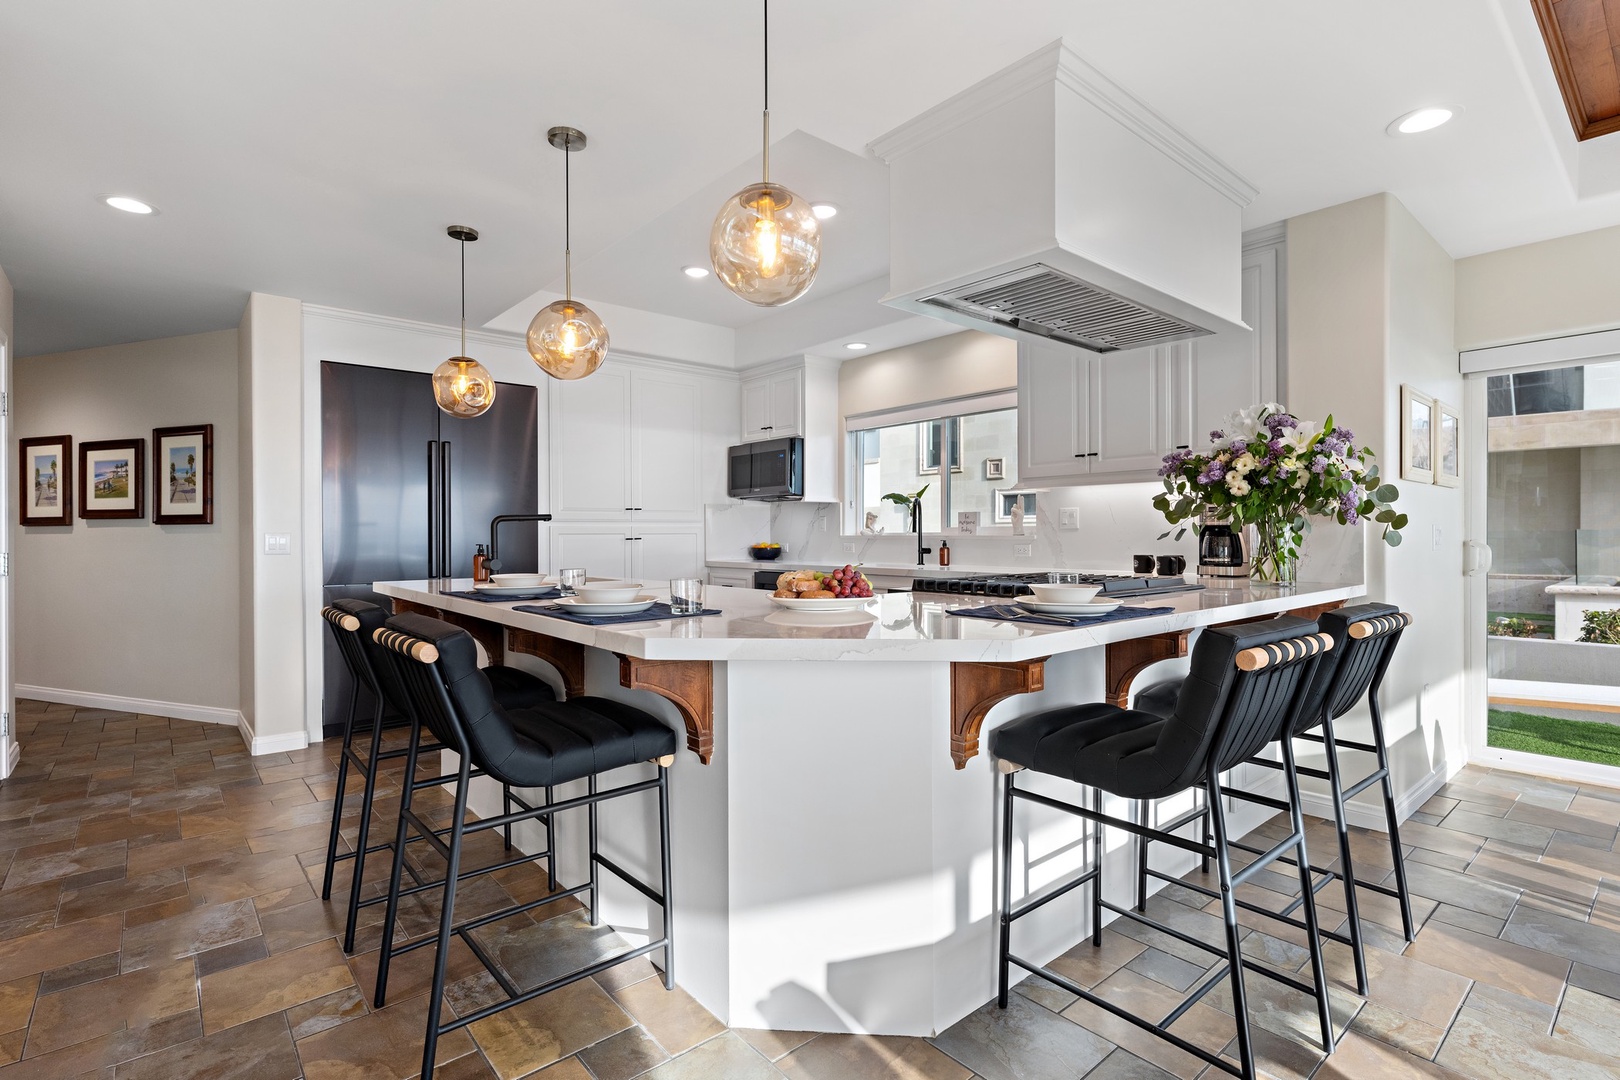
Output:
[[412, 326], [1058, 63], [1266, 236]]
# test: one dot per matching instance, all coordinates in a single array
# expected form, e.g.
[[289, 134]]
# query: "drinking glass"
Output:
[[685, 596], [1063, 577], [570, 579]]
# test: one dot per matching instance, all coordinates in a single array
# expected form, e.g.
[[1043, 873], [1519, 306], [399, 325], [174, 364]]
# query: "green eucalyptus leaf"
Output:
[[1392, 538], [1399, 522], [1386, 493]]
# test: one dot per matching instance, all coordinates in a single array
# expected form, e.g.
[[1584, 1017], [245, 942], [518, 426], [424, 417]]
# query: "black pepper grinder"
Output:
[[944, 553]]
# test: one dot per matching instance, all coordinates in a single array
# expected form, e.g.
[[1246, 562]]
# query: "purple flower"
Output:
[[1239, 446], [1277, 421], [1319, 464], [1217, 435], [1276, 446]]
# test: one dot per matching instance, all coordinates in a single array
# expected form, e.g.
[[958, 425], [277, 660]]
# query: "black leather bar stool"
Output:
[[1364, 639], [539, 747], [1246, 684], [353, 622]]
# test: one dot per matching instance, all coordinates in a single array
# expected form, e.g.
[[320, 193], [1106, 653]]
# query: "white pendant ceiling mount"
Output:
[[461, 385], [765, 243], [566, 338]]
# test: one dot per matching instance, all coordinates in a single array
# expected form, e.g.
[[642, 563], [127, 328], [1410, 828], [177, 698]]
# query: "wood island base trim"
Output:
[[975, 690], [567, 657], [688, 684]]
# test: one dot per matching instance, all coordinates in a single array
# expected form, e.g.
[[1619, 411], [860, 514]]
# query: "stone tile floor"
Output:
[[159, 918]]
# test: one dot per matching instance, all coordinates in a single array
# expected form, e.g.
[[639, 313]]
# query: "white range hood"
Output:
[[1048, 201]]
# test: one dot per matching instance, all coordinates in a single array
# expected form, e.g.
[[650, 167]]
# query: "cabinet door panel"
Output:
[[590, 445], [1054, 410], [1132, 414], [787, 404], [667, 436], [1239, 368], [662, 554], [756, 409], [603, 553]]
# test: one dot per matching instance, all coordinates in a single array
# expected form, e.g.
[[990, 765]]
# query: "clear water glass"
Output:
[[685, 596], [1063, 577], [570, 579]]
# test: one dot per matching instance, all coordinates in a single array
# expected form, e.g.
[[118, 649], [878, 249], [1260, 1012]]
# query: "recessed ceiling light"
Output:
[[1426, 119], [857, 346], [695, 271], [823, 210], [127, 204]]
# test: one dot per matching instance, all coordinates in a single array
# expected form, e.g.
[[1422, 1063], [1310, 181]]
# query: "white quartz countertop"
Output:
[[899, 626]]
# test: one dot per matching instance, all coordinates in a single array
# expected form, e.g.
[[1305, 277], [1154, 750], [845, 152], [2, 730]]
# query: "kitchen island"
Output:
[[833, 823]]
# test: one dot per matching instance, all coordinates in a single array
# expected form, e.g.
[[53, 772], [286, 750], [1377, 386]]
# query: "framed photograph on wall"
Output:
[[183, 475], [1417, 436], [46, 490], [112, 479], [1447, 453]]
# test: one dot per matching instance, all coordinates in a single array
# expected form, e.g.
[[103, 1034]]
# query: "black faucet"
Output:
[[492, 561], [916, 523]]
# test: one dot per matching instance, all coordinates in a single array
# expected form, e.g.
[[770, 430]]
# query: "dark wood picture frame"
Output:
[[200, 436], [135, 483], [64, 481]]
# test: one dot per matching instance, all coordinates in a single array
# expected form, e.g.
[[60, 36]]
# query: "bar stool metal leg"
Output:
[[1404, 896], [595, 890], [669, 878], [402, 831], [363, 838], [342, 782], [1006, 884], [1145, 816], [1346, 865], [447, 919], [551, 843], [1234, 945], [1313, 937], [1097, 886]]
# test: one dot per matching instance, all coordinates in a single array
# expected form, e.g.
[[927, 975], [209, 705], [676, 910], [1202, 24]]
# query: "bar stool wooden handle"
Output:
[[1283, 652], [415, 648], [1379, 624]]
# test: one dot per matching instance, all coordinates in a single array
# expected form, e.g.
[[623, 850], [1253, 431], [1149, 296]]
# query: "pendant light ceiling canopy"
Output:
[[765, 243], [566, 338], [461, 385]]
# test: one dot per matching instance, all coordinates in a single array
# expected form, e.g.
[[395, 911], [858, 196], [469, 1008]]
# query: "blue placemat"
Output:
[[1014, 613], [486, 598], [656, 613]]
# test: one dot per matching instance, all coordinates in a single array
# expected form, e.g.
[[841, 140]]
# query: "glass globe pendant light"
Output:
[[461, 385], [566, 338], [765, 243]]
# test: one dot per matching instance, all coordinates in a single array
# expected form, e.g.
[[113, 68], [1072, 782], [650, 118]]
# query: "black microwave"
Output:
[[772, 470]]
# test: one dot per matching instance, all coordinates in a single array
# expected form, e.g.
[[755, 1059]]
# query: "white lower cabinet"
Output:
[[730, 575], [650, 554]]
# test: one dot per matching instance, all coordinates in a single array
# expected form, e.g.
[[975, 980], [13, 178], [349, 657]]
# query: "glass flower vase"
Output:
[[1276, 553]]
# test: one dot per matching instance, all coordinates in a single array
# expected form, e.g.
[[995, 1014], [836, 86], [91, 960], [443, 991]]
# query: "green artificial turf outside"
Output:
[[1575, 740]]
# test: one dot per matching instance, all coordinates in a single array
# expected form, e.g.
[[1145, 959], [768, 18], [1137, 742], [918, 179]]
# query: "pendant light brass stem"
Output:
[[568, 218], [766, 173]]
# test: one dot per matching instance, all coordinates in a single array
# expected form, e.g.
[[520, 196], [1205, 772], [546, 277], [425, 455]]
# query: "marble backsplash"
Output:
[[1116, 522]]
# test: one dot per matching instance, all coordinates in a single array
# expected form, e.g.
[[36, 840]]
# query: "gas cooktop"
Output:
[[1116, 585]]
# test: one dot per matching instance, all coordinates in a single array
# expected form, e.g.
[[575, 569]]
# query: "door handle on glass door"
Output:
[[1476, 557]]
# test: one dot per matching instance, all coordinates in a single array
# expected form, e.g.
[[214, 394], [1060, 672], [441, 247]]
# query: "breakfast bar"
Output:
[[833, 826]]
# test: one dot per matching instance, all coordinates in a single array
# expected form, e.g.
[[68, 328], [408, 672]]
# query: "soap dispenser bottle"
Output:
[[944, 553]]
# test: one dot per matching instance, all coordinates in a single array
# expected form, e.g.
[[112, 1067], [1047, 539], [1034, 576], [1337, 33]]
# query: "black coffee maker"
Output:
[[1220, 551]]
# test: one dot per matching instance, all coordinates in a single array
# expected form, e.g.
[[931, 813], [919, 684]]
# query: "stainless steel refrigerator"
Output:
[[408, 491]]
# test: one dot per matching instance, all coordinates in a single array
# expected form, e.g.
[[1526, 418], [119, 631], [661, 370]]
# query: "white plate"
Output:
[[574, 603], [513, 590], [836, 603], [1065, 594], [609, 592], [1101, 607], [820, 619], [520, 581]]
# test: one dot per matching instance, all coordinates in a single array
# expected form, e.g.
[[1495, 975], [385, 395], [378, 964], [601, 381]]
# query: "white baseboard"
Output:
[[204, 714], [1552, 768], [13, 756], [259, 745]]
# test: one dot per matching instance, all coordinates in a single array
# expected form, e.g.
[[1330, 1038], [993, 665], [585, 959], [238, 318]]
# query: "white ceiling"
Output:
[[317, 149]]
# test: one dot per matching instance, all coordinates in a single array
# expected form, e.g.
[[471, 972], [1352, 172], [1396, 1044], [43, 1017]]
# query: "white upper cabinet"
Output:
[[773, 405], [1054, 410], [590, 444], [640, 442], [1088, 418]]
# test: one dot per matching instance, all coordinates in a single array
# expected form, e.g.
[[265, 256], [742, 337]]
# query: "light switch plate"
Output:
[[849, 549], [1023, 551], [277, 544], [1069, 517], [1437, 538]]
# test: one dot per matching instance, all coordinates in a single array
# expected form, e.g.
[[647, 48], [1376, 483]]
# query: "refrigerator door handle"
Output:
[[433, 508], [446, 563]]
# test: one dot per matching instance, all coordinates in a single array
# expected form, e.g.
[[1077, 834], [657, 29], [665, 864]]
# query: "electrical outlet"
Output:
[[849, 549], [821, 523], [1437, 538], [787, 549], [1024, 551], [1069, 517]]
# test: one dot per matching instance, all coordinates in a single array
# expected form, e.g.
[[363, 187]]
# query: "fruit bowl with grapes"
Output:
[[817, 590]]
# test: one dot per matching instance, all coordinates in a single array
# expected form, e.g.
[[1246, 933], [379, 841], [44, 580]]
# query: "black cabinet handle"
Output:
[[768, 427], [1183, 446]]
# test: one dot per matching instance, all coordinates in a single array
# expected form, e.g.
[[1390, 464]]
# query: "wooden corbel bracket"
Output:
[[688, 684], [975, 690], [568, 657]]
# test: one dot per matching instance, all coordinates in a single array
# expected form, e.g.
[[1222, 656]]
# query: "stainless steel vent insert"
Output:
[[1040, 300]]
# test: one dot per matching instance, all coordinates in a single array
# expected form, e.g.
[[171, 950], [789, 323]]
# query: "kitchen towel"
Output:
[[486, 598], [656, 613], [1014, 613]]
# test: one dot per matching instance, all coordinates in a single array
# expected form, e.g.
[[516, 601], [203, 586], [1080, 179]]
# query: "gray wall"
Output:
[[129, 608], [1533, 511]]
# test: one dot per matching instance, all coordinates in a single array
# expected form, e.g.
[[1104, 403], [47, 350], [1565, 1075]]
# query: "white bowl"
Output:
[[608, 592], [517, 581], [1065, 594]]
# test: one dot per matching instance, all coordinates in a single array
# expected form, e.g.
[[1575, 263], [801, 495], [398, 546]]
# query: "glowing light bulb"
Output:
[[463, 387], [567, 340], [767, 239]]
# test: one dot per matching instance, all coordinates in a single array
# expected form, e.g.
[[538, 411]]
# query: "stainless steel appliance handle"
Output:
[[446, 563], [433, 509]]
